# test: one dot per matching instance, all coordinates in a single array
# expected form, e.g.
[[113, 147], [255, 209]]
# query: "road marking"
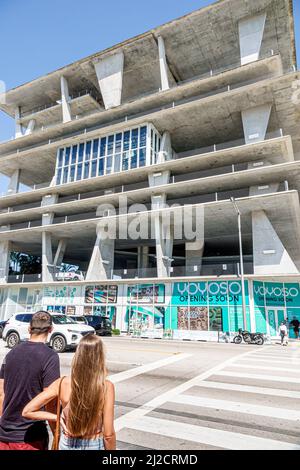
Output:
[[273, 378], [125, 363], [238, 407], [250, 389], [138, 414], [129, 374], [273, 361], [258, 367], [209, 436]]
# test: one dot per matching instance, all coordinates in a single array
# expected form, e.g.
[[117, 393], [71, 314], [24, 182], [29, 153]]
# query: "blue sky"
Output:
[[40, 36]]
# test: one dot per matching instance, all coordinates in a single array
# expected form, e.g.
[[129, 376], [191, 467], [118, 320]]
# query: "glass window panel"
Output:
[[66, 174], [80, 153], [125, 164], [155, 143], [134, 159], [58, 176], [103, 147], [72, 172], [117, 164], [118, 143], [94, 168], [79, 172], [142, 159], [60, 157], [88, 150], [126, 140], [152, 139], [86, 170], [67, 156], [101, 167], [108, 165], [143, 136], [134, 138], [74, 154], [110, 147], [95, 148]]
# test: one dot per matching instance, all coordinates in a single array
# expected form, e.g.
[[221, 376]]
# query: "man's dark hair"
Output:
[[41, 323]]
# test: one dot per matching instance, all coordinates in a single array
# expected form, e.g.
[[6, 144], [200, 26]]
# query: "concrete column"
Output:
[[165, 152], [143, 260], [251, 31], [65, 99], [255, 123], [102, 259], [164, 236], [30, 127], [14, 182], [269, 253], [4, 260], [159, 178], [110, 77], [47, 257], [60, 253], [19, 129], [193, 257], [48, 200], [163, 65]]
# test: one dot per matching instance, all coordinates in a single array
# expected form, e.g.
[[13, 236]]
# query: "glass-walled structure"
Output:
[[122, 151]]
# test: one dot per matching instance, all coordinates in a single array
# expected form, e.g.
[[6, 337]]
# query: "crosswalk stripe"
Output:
[[128, 374], [273, 378], [249, 389], [208, 436], [272, 361], [259, 367], [238, 407], [139, 413]]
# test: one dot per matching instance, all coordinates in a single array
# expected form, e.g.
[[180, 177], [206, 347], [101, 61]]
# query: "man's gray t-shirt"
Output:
[[27, 370]]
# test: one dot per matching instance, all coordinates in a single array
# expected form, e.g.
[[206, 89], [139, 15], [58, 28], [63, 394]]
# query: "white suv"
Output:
[[70, 276], [66, 332]]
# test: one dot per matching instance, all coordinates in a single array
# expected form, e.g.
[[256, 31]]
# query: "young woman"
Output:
[[87, 398]]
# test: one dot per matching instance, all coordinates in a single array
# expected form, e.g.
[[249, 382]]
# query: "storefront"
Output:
[[180, 310]]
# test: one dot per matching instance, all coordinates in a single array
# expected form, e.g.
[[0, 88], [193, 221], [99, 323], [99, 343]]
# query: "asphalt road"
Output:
[[200, 396]]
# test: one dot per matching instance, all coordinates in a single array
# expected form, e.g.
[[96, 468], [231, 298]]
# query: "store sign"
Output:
[[214, 293], [276, 294]]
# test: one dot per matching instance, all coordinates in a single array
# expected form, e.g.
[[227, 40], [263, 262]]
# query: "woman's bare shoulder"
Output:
[[109, 385]]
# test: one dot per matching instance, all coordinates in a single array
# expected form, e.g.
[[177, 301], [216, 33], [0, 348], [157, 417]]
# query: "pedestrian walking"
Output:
[[27, 370], [283, 331], [87, 399], [296, 326]]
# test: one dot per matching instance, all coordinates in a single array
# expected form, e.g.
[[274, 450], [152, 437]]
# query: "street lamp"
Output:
[[241, 260]]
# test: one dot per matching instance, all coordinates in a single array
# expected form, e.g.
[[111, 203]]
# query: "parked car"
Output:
[[70, 276], [102, 325], [2, 325], [66, 333]]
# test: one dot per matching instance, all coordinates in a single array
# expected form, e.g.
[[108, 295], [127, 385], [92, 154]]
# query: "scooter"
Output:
[[249, 338]]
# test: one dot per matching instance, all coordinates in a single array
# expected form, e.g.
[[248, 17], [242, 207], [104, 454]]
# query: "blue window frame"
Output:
[[88, 150], [101, 167], [80, 153], [126, 145], [79, 172], [134, 138], [74, 154], [67, 156], [94, 169], [95, 148], [103, 147], [61, 157], [86, 170]]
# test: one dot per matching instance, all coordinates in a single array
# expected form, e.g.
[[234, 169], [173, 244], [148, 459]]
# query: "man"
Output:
[[296, 325], [27, 370], [283, 333]]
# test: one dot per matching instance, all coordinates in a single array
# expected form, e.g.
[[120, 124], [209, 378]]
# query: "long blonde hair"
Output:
[[87, 388]]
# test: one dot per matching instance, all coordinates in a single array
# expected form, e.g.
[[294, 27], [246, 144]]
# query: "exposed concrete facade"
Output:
[[192, 113]]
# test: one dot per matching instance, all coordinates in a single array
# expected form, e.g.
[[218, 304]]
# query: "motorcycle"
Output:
[[249, 338]]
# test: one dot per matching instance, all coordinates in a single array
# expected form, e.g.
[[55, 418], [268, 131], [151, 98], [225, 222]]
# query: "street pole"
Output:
[[241, 261]]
